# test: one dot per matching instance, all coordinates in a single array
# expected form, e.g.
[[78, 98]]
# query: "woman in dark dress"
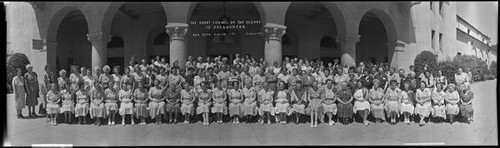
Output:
[[345, 103], [32, 89]]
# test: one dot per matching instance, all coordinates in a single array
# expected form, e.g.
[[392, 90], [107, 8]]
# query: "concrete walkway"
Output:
[[483, 131]]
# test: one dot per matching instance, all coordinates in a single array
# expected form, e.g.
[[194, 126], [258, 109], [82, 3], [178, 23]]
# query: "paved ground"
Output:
[[483, 131]]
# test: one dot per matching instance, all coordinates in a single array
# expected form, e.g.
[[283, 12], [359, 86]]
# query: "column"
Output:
[[99, 43], [398, 48], [178, 50], [272, 46], [348, 49]]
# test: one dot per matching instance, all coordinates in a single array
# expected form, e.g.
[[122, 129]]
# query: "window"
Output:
[[441, 41], [432, 39], [441, 8], [116, 42]]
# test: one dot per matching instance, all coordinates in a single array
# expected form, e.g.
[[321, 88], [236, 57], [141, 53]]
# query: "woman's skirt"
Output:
[[329, 108], [281, 108], [68, 108], [219, 108], [358, 105], [392, 106], [345, 110], [423, 110], [126, 109], [187, 109], [141, 110], [298, 108], [234, 109], [32, 98], [97, 110], [53, 108], [408, 108], [466, 110], [378, 111], [203, 108], [110, 107], [81, 109], [315, 105], [266, 108], [452, 109], [156, 108], [20, 100], [439, 111], [250, 109], [173, 107]]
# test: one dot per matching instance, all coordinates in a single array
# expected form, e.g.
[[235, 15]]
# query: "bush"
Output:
[[449, 69], [493, 68], [14, 61], [425, 58], [477, 66]]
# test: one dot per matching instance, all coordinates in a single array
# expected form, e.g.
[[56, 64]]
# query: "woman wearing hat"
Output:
[[105, 77], [452, 98], [466, 106], [376, 97], [32, 90], [423, 99]]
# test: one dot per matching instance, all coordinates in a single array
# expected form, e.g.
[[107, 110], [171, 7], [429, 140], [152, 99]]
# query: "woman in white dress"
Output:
[[329, 99], [82, 105], [314, 97], [299, 100], [423, 107], [53, 98], [111, 99], [438, 108], [204, 101], [452, 98], [361, 104], [219, 101], [266, 99], [282, 99], [407, 97], [250, 101], [19, 93], [126, 105], [97, 110], [187, 99], [235, 98]]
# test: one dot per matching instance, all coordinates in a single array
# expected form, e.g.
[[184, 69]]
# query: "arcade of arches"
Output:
[[318, 30]]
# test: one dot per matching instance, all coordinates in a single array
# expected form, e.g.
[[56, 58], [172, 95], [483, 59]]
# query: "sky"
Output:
[[481, 15]]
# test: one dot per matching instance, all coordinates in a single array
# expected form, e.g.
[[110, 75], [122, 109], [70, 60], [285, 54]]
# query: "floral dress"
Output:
[[156, 104], [392, 100], [173, 98], [126, 105], [466, 109], [32, 88], [452, 108], [282, 102], [97, 110], [315, 100], [438, 109], [425, 108], [329, 105], [377, 109], [345, 110], [250, 102], [299, 101], [141, 96], [82, 103], [187, 106], [204, 101], [235, 104], [52, 102], [111, 97], [68, 104]]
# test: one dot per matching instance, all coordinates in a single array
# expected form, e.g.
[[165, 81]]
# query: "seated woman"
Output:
[[235, 96], [328, 104], [111, 94], [266, 99], [204, 102], [299, 100], [68, 105], [423, 107], [466, 106], [53, 98], [173, 107], [345, 110], [376, 97], [219, 100], [361, 104], [156, 105], [407, 97], [438, 108], [82, 103], [282, 99], [250, 100], [393, 100], [187, 99], [97, 110], [452, 98], [314, 98], [140, 96], [126, 105]]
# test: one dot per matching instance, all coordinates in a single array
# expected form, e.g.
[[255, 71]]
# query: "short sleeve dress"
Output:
[[250, 102]]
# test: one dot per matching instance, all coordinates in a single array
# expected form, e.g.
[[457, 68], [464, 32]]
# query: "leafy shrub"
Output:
[[14, 61], [449, 69], [425, 58], [477, 66]]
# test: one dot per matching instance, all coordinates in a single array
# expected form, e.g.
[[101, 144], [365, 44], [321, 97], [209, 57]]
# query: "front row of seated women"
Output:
[[317, 101]]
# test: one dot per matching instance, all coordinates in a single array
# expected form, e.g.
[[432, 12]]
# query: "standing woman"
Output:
[[393, 100], [361, 104], [116, 76], [97, 109], [250, 100], [125, 79], [172, 107], [19, 93], [126, 105], [452, 98], [105, 77], [376, 97], [53, 98], [32, 89], [235, 98], [140, 97], [407, 106], [330, 97], [266, 95], [345, 110], [219, 96], [314, 98], [423, 98], [466, 106], [138, 76], [272, 79], [111, 106], [156, 105], [204, 101], [282, 99], [187, 99], [299, 100], [440, 78], [49, 79], [75, 79], [438, 108], [82, 103]]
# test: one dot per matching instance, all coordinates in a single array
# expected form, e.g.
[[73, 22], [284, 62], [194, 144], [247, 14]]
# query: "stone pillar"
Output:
[[99, 43], [272, 46], [178, 50], [398, 48], [348, 49]]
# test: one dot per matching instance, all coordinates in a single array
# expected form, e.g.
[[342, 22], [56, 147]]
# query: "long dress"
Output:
[[173, 97], [203, 102], [345, 110], [187, 106], [377, 109], [156, 105], [315, 100], [250, 102], [82, 103], [361, 101], [406, 103], [282, 102], [235, 102], [126, 105], [266, 102], [32, 89], [439, 109], [97, 110], [426, 108], [52, 102], [19, 93], [466, 109], [329, 105], [452, 109], [68, 104], [141, 96], [299, 101], [219, 101], [392, 103]]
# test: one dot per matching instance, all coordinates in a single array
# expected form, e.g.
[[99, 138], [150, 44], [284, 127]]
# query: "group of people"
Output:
[[242, 88]]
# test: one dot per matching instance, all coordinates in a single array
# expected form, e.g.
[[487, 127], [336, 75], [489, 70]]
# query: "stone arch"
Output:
[[257, 5], [58, 17], [389, 25], [338, 16]]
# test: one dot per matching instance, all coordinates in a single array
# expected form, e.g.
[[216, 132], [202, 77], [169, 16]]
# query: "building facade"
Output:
[[110, 33]]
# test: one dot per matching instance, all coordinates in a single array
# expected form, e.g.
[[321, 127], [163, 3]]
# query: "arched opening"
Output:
[[372, 46], [160, 44], [115, 52], [329, 50], [311, 22], [135, 23], [240, 35], [73, 47]]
